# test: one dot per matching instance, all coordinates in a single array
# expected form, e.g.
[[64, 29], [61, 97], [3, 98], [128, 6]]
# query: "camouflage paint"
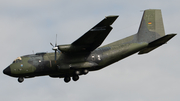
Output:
[[83, 55]]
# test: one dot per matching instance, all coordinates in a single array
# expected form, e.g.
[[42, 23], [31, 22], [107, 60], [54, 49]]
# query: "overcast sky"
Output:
[[30, 25]]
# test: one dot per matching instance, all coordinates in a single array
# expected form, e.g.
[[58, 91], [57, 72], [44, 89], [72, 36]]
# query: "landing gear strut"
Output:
[[20, 79]]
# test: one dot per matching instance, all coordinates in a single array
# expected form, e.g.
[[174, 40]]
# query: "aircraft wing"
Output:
[[91, 39]]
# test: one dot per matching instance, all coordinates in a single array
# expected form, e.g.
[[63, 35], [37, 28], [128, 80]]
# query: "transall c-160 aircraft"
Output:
[[84, 54]]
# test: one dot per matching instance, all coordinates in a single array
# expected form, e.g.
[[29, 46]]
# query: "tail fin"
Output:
[[151, 30], [151, 27]]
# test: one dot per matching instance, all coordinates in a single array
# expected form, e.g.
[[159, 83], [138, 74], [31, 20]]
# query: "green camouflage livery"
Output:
[[85, 55]]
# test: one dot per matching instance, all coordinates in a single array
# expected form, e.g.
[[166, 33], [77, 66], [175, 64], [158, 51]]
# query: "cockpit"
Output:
[[17, 60]]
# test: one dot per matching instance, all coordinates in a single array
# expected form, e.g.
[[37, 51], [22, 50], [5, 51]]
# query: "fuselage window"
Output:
[[18, 60], [99, 58], [93, 57]]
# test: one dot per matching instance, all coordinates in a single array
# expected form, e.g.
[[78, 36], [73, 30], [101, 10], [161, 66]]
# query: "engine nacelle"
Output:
[[71, 48]]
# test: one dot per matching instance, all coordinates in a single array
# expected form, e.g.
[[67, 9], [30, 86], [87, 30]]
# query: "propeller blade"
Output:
[[51, 44], [59, 51], [56, 41], [55, 48], [55, 54]]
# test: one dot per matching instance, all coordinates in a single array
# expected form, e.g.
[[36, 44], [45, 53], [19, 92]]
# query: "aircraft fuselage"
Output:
[[83, 55], [44, 64]]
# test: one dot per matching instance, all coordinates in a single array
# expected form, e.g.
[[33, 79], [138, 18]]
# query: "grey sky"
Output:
[[27, 26]]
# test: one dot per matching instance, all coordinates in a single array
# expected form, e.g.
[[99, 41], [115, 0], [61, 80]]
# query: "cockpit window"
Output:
[[18, 60]]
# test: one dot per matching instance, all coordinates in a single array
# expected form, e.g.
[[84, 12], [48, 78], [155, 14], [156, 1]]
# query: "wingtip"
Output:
[[172, 34], [112, 16], [110, 19]]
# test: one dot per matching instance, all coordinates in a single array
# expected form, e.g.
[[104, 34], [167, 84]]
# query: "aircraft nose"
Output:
[[7, 71]]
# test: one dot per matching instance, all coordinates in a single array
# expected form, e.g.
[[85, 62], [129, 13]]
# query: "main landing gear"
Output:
[[20, 79], [67, 79], [75, 77]]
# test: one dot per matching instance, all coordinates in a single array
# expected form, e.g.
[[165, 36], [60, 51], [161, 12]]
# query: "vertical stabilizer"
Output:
[[151, 27]]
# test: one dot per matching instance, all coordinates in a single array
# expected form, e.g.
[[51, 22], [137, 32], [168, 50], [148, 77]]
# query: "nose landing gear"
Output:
[[20, 79]]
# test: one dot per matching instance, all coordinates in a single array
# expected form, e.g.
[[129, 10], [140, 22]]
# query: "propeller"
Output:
[[55, 48]]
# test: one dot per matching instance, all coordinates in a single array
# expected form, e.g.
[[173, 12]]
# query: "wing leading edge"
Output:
[[91, 39]]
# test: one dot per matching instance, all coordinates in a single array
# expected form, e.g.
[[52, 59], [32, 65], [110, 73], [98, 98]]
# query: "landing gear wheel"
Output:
[[20, 79], [75, 78], [67, 79]]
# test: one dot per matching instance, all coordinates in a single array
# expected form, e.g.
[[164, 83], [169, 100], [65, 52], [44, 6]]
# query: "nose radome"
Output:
[[7, 71]]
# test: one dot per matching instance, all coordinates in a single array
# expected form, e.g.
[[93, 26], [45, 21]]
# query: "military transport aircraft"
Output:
[[84, 54]]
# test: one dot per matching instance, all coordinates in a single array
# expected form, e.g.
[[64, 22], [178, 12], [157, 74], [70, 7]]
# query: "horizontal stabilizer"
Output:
[[153, 45]]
